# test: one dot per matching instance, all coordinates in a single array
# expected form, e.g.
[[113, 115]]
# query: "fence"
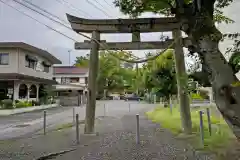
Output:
[[74, 118]]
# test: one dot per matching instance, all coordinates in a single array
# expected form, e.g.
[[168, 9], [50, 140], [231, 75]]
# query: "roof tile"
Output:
[[69, 70]]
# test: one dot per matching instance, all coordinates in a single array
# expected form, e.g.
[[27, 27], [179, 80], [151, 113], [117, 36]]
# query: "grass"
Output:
[[64, 126], [67, 125], [221, 134]]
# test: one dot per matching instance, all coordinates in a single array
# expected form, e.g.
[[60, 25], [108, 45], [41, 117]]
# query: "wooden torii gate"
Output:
[[134, 26]]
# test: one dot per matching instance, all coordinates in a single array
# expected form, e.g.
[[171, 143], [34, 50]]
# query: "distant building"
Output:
[[71, 84], [24, 71]]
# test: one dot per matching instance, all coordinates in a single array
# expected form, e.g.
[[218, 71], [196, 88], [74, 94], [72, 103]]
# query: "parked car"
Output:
[[132, 98], [122, 97]]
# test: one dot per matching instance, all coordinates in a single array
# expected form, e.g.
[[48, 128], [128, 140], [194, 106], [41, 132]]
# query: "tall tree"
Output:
[[197, 19], [113, 74], [82, 61], [158, 73]]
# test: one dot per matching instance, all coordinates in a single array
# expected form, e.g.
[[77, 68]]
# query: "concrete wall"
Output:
[[29, 71], [17, 64], [81, 78], [12, 67]]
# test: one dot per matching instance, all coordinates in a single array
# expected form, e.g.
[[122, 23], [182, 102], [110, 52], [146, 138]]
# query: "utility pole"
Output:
[[69, 57], [92, 87], [182, 82], [137, 78]]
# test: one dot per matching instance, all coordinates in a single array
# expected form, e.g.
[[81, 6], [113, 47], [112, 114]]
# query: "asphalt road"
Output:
[[26, 124]]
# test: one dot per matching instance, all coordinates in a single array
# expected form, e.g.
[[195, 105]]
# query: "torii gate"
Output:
[[134, 26]]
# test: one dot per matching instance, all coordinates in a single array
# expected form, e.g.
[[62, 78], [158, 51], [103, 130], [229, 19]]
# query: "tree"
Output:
[[197, 19], [113, 74], [158, 73], [82, 61]]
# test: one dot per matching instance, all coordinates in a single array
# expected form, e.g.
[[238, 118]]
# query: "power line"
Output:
[[44, 10], [73, 7], [100, 4], [95, 6], [107, 3], [103, 45], [38, 21], [52, 19]]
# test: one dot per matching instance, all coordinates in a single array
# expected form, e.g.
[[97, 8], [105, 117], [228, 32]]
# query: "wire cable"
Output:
[[73, 7], [101, 5], [38, 21], [107, 3], [44, 10], [102, 45], [52, 19], [98, 8]]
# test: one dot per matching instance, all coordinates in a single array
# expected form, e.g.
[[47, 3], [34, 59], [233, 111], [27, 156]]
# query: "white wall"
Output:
[[29, 71], [70, 75], [81, 78], [12, 67]]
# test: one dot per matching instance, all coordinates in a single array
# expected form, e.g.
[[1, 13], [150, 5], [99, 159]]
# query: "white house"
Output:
[[71, 84], [24, 70]]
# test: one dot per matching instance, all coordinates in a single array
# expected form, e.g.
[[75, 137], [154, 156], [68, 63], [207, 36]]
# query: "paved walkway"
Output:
[[116, 141]]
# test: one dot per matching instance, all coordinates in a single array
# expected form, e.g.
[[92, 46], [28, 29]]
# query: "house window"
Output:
[[31, 62], [4, 58], [74, 80], [86, 80], [46, 69], [64, 80], [46, 66]]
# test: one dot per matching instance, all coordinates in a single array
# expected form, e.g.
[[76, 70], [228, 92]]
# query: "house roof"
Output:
[[31, 48], [17, 76], [69, 70]]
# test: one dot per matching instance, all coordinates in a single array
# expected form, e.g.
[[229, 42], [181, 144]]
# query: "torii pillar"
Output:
[[134, 26], [92, 84]]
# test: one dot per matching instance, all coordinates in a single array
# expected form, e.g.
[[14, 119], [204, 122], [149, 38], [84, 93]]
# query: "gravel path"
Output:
[[115, 141], [120, 144]]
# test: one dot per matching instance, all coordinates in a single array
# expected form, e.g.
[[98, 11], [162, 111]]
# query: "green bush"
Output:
[[23, 104], [17, 101], [43, 100], [7, 104], [195, 96], [20, 105], [35, 103]]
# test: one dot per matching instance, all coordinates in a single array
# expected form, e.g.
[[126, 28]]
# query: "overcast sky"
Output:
[[17, 27]]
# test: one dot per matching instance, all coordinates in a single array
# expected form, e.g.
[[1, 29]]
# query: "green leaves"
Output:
[[159, 75], [220, 18], [234, 61], [135, 8], [82, 61]]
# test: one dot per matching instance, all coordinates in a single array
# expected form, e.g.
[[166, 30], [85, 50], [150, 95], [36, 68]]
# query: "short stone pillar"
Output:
[[37, 94]]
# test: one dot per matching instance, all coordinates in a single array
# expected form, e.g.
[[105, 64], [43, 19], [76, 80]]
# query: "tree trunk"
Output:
[[227, 97], [199, 25], [182, 79]]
